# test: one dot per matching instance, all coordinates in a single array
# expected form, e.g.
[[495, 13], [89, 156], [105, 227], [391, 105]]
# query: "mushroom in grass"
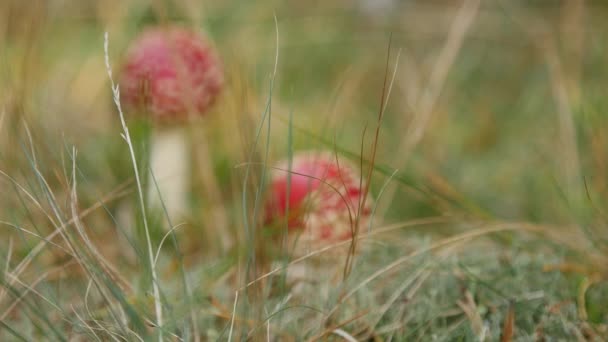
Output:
[[171, 75], [320, 201]]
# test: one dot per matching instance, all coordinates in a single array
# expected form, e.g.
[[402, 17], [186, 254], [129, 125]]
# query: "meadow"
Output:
[[480, 125]]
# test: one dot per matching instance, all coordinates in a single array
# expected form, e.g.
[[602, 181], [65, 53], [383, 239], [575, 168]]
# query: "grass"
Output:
[[488, 164]]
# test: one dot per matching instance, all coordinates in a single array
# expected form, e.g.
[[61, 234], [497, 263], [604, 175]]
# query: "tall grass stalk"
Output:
[[125, 135]]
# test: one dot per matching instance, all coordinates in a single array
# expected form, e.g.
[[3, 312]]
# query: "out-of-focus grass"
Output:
[[510, 167]]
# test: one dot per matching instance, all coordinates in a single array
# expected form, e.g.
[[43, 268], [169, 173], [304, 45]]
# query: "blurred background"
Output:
[[496, 113]]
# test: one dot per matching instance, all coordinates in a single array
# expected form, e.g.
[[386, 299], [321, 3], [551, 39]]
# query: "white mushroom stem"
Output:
[[169, 163]]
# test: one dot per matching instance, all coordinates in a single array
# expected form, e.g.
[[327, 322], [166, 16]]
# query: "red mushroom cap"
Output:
[[324, 198], [171, 73]]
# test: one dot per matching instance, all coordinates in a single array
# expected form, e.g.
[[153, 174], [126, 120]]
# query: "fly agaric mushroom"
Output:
[[320, 200], [172, 75]]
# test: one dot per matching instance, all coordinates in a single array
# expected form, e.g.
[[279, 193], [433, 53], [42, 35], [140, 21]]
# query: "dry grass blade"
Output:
[[469, 307], [236, 299], [333, 328], [539, 32], [508, 328], [348, 337], [386, 93], [2, 116], [425, 105]]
